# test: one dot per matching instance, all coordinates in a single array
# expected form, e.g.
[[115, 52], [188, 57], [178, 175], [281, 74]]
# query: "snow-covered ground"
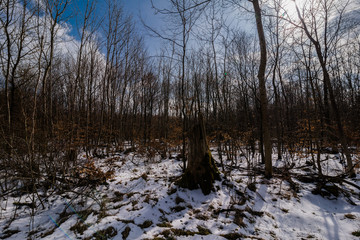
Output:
[[143, 202]]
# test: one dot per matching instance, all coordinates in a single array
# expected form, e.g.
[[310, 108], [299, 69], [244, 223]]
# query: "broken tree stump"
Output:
[[201, 170]]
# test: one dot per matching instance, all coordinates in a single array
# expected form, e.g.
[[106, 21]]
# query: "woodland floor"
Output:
[[141, 201]]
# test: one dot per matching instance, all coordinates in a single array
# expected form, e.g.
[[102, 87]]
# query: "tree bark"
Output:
[[262, 86], [201, 170]]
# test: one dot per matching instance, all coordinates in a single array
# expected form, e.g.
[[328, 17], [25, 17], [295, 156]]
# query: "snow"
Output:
[[310, 215], [143, 197]]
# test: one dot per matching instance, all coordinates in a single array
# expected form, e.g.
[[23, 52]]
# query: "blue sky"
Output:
[[137, 8], [143, 9]]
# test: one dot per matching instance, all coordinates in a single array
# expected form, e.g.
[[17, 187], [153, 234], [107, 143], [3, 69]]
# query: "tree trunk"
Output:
[[263, 95], [322, 59], [201, 170]]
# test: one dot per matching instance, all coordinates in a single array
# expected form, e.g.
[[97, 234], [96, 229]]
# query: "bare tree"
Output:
[[186, 14], [54, 16], [14, 20], [322, 47], [262, 88]]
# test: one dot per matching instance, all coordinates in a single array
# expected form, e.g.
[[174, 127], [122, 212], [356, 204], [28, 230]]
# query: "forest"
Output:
[[245, 104]]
